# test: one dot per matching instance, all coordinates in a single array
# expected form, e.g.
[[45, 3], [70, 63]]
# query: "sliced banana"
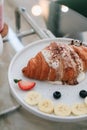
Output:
[[62, 109], [33, 98], [79, 109], [46, 106]]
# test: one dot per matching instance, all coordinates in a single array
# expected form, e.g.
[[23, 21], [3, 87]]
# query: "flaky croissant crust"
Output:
[[57, 62]]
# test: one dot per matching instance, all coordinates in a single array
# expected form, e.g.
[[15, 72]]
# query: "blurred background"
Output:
[[51, 14]]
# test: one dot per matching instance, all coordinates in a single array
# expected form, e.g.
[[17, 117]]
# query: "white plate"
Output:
[[70, 94]]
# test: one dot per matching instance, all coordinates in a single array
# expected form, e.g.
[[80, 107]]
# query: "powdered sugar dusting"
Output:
[[48, 57]]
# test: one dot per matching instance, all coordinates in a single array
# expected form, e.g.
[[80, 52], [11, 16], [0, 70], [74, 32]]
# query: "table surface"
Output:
[[21, 119]]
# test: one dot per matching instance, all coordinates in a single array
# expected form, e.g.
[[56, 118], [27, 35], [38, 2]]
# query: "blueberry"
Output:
[[83, 93], [56, 94]]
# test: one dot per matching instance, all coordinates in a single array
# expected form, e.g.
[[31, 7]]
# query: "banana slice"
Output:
[[79, 109], [85, 100], [46, 105], [33, 98], [62, 110]]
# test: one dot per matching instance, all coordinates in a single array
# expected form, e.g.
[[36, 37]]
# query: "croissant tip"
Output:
[[24, 71]]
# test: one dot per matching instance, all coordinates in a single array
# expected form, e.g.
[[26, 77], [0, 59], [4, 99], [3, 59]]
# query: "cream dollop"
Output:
[[80, 78]]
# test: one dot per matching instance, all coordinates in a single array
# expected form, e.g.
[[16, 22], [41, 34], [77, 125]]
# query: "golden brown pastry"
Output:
[[58, 62]]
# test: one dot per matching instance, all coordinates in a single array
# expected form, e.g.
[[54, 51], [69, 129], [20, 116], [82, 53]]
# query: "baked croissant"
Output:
[[58, 62]]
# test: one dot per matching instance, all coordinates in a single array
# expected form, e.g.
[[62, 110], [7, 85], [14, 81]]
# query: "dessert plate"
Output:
[[70, 94]]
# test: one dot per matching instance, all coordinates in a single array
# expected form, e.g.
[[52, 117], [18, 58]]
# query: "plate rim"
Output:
[[26, 106]]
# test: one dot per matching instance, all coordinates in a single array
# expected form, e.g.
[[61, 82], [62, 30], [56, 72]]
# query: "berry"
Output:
[[56, 94], [25, 85], [83, 93]]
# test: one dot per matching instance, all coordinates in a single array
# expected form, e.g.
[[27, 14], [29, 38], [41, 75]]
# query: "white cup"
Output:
[[1, 45]]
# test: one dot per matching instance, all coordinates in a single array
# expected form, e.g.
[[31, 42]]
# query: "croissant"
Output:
[[58, 62]]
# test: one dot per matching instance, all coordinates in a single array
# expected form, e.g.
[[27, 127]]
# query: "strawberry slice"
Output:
[[25, 85]]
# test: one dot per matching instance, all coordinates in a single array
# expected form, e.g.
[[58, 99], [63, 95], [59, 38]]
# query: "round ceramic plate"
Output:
[[70, 94]]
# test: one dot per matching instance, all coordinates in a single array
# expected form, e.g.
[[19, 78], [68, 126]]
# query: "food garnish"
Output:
[[25, 85]]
